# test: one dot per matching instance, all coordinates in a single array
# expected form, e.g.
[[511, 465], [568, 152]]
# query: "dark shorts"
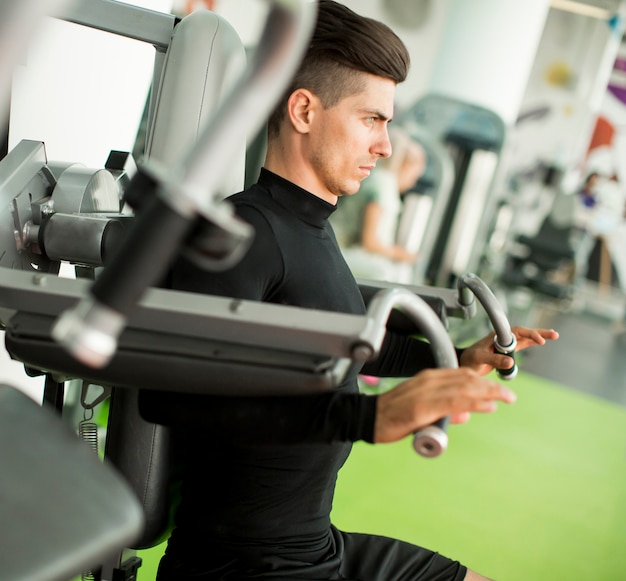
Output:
[[351, 557]]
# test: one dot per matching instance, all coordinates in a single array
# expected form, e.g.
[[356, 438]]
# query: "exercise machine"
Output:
[[424, 206], [114, 328], [59, 212], [474, 137]]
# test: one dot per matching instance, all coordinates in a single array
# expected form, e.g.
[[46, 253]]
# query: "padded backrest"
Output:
[[203, 60], [140, 451]]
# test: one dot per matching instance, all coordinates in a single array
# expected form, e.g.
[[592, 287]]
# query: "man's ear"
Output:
[[300, 108]]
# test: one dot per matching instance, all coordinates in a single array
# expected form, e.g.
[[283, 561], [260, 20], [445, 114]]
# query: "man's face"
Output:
[[346, 140]]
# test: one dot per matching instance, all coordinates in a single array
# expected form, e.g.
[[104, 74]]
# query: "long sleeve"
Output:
[[320, 418], [402, 356]]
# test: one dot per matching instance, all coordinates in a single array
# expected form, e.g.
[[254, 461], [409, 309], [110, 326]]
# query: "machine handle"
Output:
[[431, 440], [508, 350], [504, 342], [90, 331]]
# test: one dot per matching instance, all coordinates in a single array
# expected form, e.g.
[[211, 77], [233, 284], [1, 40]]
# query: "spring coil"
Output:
[[88, 430]]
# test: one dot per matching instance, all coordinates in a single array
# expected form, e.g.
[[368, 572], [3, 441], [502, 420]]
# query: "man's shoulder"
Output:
[[249, 193], [257, 197], [255, 206], [255, 194]]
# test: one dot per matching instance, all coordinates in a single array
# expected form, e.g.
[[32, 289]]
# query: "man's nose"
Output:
[[383, 147]]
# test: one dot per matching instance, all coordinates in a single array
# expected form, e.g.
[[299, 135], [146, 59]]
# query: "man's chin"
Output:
[[352, 189]]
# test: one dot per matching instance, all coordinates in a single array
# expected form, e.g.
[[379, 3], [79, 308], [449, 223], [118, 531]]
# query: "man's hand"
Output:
[[433, 394], [482, 358]]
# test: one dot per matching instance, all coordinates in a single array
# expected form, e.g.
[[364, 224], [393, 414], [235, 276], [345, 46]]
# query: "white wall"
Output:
[[81, 91], [422, 40]]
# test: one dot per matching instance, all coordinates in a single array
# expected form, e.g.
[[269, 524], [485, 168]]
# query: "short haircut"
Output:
[[344, 44]]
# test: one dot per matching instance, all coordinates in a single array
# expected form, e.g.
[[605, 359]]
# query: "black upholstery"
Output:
[[549, 251], [158, 360], [140, 451], [551, 246]]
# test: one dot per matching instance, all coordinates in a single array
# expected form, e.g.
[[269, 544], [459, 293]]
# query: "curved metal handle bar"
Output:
[[90, 331], [432, 440], [470, 285]]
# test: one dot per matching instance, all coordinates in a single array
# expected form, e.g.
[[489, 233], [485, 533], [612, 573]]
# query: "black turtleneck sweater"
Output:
[[259, 473]]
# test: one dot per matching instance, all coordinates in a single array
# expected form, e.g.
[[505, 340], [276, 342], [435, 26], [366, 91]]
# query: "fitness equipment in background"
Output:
[[474, 137], [424, 205]]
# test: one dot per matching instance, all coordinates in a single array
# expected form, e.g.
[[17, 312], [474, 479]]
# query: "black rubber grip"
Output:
[[512, 371], [144, 256]]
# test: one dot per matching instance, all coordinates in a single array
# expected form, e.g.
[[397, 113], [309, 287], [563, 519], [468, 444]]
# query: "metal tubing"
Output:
[[450, 297], [504, 341], [123, 19], [432, 440]]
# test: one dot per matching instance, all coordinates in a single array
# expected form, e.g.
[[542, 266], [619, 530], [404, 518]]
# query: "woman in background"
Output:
[[366, 223]]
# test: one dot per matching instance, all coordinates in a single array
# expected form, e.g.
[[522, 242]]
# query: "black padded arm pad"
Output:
[[154, 360]]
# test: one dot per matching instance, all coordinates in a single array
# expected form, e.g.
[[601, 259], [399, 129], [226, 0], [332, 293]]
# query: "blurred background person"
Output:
[[601, 231], [584, 211], [366, 223], [587, 193]]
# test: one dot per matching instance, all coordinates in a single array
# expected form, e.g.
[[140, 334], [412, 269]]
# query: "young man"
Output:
[[258, 474]]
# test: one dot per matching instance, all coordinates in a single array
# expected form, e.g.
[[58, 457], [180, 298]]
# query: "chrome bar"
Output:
[[504, 341]]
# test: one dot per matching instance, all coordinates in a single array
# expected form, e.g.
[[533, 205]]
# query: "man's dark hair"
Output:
[[343, 45]]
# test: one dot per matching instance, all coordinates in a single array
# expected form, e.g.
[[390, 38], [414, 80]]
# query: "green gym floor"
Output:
[[536, 491]]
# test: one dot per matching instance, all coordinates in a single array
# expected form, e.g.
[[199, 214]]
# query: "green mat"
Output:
[[536, 491]]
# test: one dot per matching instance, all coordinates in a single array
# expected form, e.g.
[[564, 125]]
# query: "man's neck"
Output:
[[297, 173]]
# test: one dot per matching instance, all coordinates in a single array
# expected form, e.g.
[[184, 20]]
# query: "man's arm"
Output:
[[318, 418]]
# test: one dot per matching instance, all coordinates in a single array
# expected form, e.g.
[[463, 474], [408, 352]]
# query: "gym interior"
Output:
[[514, 103]]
